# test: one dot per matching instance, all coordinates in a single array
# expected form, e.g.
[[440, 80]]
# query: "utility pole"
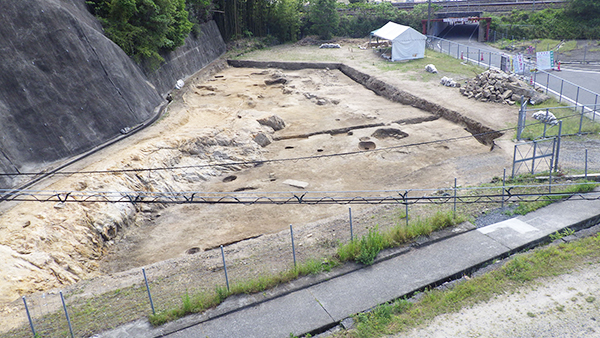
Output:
[[428, 17]]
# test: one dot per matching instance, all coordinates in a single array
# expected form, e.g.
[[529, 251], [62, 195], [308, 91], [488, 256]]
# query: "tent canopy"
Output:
[[407, 43]]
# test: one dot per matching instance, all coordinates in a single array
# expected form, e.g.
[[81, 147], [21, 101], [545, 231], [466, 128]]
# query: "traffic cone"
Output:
[[558, 66], [482, 57], [462, 56]]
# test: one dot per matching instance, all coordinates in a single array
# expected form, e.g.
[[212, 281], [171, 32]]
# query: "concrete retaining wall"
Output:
[[65, 88]]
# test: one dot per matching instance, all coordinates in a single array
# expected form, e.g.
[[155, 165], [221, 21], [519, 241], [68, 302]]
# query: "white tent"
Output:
[[407, 43]]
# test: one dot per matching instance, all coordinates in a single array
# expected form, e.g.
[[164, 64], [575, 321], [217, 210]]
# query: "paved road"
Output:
[[461, 42]]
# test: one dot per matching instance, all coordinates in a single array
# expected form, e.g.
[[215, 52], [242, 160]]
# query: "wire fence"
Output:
[[87, 308], [561, 89]]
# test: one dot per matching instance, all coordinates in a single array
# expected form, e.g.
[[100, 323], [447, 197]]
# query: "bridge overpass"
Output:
[[488, 6]]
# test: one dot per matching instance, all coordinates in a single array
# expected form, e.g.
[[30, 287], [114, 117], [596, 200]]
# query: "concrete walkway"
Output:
[[316, 303]]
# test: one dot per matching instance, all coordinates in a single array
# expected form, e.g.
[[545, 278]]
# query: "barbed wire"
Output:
[[288, 198]]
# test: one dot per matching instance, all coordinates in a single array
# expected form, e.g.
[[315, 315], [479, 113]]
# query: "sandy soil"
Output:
[[565, 306], [214, 120]]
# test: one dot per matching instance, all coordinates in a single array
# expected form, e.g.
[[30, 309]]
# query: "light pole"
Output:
[[428, 17]]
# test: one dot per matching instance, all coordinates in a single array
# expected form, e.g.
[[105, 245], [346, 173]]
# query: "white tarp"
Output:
[[407, 43]]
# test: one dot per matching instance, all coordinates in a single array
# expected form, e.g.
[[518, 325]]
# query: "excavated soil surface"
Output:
[[214, 120]]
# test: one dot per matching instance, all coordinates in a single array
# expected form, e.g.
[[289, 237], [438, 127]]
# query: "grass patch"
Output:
[[526, 207], [519, 271], [365, 249], [570, 118], [444, 63]]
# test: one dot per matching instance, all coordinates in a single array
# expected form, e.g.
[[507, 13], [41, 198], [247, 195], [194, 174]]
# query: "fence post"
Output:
[[503, 186], [562, 82], [293, 247], [514, 161], [351, 232], [586, 163], [490, 61], [29, 317], [545, 123], [467, 54], [558, 145], [577, 98], [148, 290], [66, 314], [533, 158], [225, 268], [406, 206], [454, 198], [581, 118], [595, 108], [547, 82]]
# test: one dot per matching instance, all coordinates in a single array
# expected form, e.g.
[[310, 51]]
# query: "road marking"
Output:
[[513, 223]]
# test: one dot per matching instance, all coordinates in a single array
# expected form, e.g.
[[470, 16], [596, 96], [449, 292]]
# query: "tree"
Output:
[[324, 18], [584, 10], [286, 19], [144, 28]]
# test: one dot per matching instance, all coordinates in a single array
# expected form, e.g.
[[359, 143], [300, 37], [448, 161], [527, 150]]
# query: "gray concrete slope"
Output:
[[324, 303]]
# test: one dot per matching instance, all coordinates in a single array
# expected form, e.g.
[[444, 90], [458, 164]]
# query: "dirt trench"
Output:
[[214, 120]]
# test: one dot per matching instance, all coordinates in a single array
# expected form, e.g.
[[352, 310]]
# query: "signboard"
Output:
[[460, 21], [545, 60], [519, 64]]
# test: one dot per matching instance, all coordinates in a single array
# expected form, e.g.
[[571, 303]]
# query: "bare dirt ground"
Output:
[[564, 306], [214, 120]]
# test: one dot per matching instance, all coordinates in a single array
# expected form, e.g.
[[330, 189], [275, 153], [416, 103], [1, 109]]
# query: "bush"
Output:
[[144, 28]]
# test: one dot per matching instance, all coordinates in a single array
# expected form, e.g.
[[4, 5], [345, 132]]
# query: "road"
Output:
[[577, 84]]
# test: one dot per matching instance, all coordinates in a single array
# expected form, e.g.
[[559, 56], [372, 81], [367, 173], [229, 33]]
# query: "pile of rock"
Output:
[[497, 86]]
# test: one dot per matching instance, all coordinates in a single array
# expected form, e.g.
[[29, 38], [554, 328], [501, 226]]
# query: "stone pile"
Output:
[[500, 87]]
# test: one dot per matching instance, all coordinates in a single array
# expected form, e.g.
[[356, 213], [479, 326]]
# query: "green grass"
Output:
[[365, 249], [526, 207], [445, 64], [521, 270], [570, 122]]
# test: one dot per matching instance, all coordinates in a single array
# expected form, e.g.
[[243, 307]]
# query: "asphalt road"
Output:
[[461, 42]]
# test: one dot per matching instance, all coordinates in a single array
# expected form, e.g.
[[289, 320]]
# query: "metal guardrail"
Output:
[[562, 89]]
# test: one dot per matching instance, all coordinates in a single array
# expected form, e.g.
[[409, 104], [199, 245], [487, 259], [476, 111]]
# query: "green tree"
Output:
[[144, 28], [324, 18], [285, 21], [584, 10]]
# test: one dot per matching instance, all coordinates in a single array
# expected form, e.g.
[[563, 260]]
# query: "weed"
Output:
[[560, 308], [590, 299], [558, 235], [531, 314]]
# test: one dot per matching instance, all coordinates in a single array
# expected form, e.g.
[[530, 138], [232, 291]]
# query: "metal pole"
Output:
[[545, 123], [562, 82], [467, 54], [351, 232], [558, 145], [577, 98], [595, 108], [406, 206], [66, 314], [29, 315], [581, 118], [503, 185], [225, 268], [293, 248], [479, 57], [533, 158], [514, 161], [586, 163], [547, 82], [148, 289], [490, 61], [429, 18], [455, 197]]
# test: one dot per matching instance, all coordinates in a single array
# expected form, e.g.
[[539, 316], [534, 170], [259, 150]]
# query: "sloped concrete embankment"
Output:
[[482, 133], [66, 88]]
